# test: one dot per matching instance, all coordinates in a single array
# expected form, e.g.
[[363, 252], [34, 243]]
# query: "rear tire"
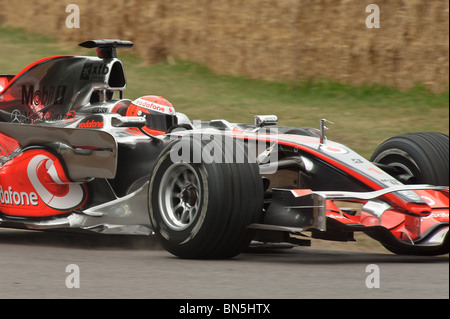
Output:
[[417, 158], [201, 209]]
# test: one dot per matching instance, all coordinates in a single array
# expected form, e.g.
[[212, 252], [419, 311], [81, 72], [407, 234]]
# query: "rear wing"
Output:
[[106, 49]]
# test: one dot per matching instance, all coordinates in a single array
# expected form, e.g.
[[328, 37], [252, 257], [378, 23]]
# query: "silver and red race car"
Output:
[[76, 155]]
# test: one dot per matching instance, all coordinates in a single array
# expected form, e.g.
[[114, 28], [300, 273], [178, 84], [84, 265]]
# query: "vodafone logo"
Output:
[[50, 188], [91, 124], [154, 106], [10, 197], [333, 149]]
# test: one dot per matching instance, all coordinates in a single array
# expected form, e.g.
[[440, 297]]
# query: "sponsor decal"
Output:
[[10, 197], [50, 188], [333, 149], [441, 215], [94, 71], [92, 122], [17, 117], [43, 96], [34, 184], [100, 110], [152, 106]]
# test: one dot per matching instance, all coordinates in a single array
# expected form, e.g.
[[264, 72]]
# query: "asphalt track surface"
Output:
[[34, 265]]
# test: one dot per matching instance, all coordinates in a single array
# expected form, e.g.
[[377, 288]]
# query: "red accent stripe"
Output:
[[416, 209], [32, 65], [327, 159]]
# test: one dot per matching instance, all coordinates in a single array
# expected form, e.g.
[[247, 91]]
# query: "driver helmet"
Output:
[[159, 113]]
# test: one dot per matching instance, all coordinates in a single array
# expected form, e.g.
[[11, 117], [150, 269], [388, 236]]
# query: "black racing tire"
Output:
[[417, 158], [200, 208]]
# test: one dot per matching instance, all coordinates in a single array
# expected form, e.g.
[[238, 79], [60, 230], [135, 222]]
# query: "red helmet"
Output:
[[159, 113]]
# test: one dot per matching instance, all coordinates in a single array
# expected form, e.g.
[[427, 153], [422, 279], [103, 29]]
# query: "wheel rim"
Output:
[[407, 169], [179, 196]]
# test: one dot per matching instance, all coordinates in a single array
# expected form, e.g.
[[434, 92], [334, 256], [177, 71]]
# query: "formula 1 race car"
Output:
[[76, 155]]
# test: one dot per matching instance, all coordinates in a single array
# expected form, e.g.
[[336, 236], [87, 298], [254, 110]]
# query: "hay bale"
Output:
[[282, 40]]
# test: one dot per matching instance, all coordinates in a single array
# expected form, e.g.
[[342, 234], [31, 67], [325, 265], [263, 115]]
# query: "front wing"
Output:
[[299, 210]]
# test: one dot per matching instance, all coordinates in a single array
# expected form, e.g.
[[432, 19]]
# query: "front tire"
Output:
[[416, 158], [201, 209]]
